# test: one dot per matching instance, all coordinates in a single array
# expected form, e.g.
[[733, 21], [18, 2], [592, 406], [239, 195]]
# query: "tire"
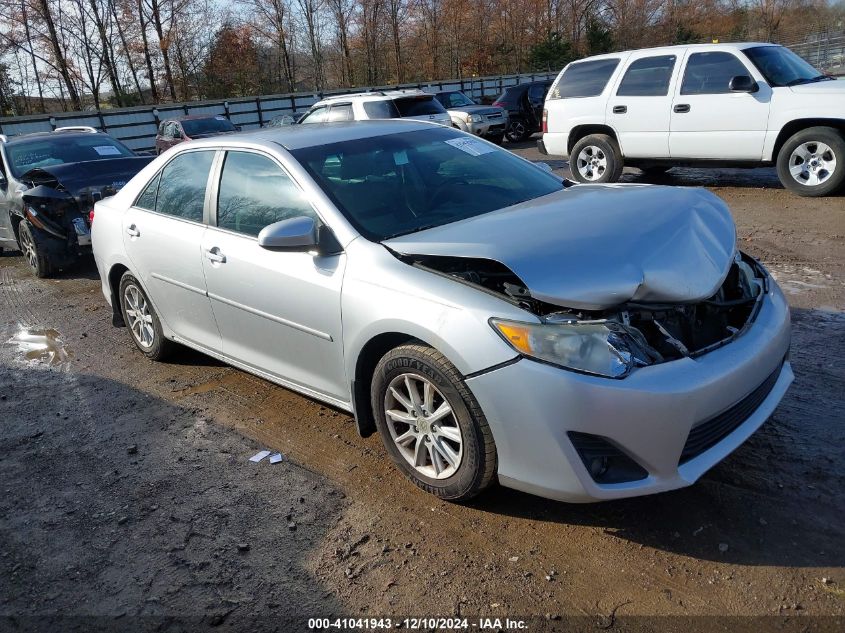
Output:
[[596, 158], [497, 139], [517, 131], [136, 309], [812, 162], [33, 252], [455, 448], [655, 171]]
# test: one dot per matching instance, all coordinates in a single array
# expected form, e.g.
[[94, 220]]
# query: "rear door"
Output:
[[711, 122], [640, 105], [278, 312], [162, 234]]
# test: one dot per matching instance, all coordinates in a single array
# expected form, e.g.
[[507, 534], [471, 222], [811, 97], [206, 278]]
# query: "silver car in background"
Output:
[[490, 322]]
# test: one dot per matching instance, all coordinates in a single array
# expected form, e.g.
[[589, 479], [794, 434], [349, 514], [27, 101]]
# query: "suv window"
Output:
[[317, 115], [648, 77], [342, 112], [418, 106], [181, 192], [584, 79], [255, 192], [710, 73], [380, 110], [537, 92]]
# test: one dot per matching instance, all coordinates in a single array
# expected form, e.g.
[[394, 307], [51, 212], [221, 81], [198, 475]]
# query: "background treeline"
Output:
[[77, 54]]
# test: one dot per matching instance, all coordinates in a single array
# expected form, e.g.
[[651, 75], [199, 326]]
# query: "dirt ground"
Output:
[[129, 501]]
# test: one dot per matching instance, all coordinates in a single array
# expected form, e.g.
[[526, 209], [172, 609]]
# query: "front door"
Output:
[[278, 312], [711, 122], [163, 235]]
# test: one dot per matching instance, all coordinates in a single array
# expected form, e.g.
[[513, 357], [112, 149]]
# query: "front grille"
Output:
[[707, 434], [491, 117]]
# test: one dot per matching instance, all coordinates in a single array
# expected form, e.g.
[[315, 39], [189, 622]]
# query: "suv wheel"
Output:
[[33, 251], [812, 162], [517, 131], [596, 158], [430, 423], [142, 320]]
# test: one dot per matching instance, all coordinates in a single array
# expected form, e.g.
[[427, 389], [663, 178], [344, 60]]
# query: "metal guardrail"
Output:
[[136, 127]]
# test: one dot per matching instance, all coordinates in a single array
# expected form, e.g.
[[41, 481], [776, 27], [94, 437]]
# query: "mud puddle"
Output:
[[43, 346]]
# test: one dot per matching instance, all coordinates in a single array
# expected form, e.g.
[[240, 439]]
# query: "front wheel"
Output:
[[596, 158], [431, 424], [142, 320], [812, 162], [34, 252]]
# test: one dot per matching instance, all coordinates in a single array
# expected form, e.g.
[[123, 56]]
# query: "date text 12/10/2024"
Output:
[[435, 623]]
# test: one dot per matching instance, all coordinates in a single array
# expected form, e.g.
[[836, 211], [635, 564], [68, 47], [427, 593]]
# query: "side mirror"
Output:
[[294, 234], [178, 134], [743, 83]]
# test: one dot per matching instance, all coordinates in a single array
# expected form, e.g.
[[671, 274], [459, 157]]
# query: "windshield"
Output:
[[781, 67], [196, 127], [402, 183], [58, 149], [454, 99]]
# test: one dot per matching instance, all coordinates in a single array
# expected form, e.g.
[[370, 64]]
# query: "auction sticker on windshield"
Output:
[[471, 146]]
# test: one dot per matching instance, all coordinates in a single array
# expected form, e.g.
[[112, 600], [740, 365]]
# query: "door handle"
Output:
[[620, 109], [133, 231], [215, 255], [681, 108]]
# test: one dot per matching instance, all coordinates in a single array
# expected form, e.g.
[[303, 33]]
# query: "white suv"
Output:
[[703, 104], [382, 104]]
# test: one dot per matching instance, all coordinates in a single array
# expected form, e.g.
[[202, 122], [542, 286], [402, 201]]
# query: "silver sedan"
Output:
[[488, 320]]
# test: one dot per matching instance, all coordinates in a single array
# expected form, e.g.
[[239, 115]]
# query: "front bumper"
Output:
[[488, 128], [531, 407]]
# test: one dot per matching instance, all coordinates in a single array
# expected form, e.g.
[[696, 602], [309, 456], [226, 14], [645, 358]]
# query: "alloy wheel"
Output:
[[140, 317], [812, 163], [423, 426], [591, 163], [28, 248]]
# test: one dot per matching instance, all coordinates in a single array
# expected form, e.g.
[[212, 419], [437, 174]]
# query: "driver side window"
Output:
[[255, 192]]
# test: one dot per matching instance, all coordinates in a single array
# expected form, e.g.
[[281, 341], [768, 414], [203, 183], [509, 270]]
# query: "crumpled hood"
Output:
[[593, 247], [77, 178]]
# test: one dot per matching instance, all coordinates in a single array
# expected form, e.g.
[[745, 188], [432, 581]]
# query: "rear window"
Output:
[[59, 149], [212, 125], [381, 110], [584, 79], [418, 106]]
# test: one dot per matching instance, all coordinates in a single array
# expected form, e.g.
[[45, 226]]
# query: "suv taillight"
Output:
[[91, 217], [545, 121]]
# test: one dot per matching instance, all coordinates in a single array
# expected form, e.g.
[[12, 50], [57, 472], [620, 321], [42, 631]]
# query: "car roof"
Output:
[[191, 117], [33, 136], [376, 95], [293, 137], [677, 48]]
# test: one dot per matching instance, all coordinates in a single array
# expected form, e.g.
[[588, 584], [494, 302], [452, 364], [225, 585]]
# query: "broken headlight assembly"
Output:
[[602, 348]]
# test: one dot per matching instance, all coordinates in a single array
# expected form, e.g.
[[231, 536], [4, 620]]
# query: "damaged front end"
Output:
[[612, 342]]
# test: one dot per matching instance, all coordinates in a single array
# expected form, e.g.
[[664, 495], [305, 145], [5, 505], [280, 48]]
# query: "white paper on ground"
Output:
[[275, 459], [259, 456]]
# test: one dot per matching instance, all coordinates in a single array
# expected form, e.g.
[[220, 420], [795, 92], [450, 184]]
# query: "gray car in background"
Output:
[[489, 122], [489, 321]]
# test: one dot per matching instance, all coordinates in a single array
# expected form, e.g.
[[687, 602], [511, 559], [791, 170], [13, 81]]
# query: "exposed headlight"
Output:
[[603, 348], [474, 118]]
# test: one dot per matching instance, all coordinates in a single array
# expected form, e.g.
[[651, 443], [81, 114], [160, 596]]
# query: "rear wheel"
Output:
[[33, 251], [517, 131], [596, 158], [430, 423], [141, 319], [812, 162]]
